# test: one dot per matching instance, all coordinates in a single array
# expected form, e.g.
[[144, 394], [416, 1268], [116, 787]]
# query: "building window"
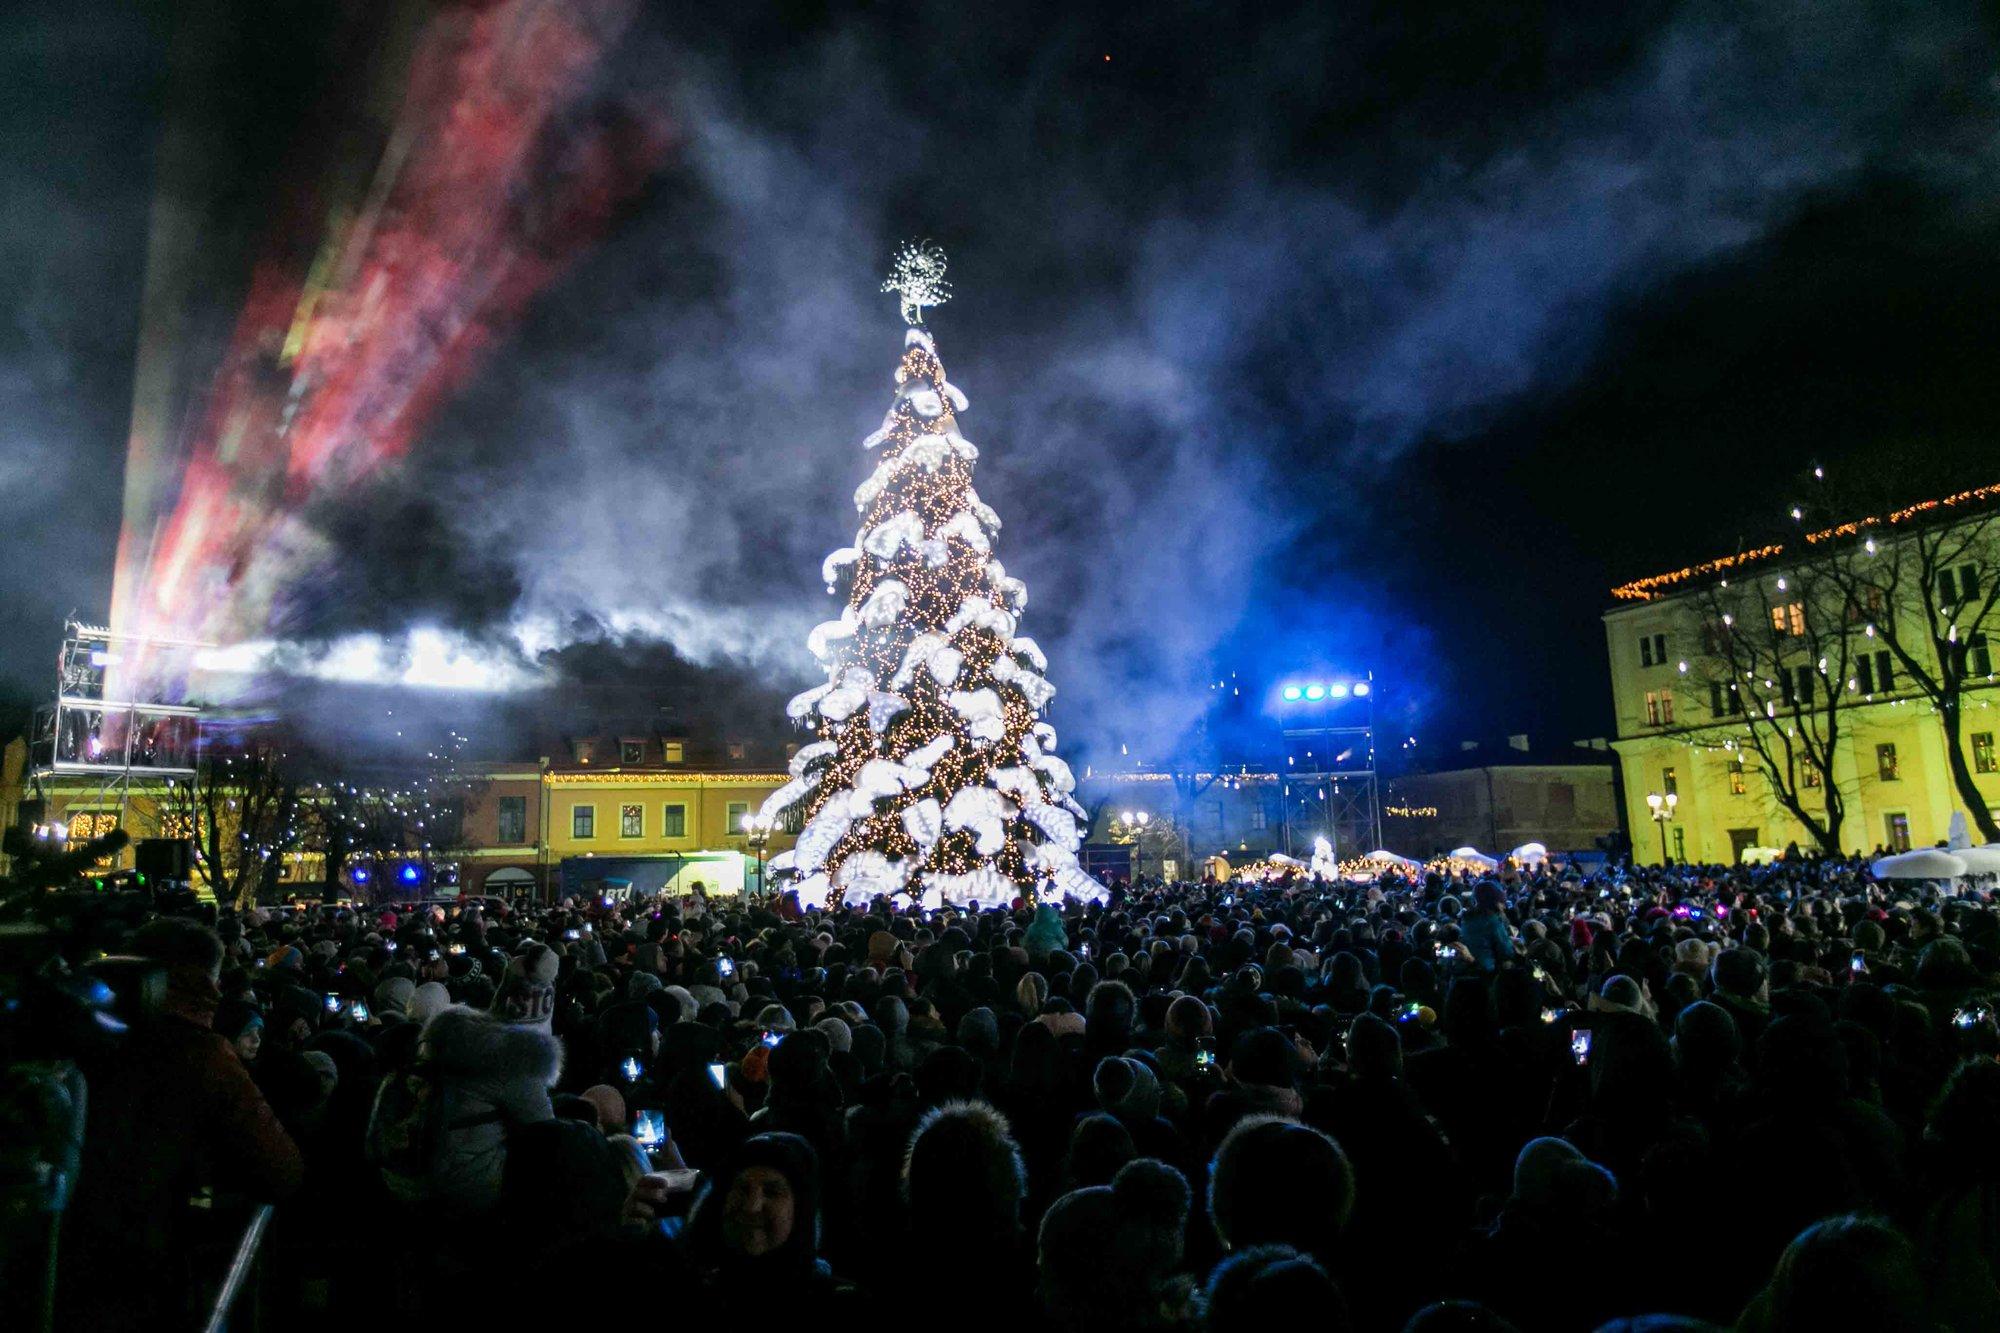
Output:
[[631, 752], [1789, 619], [1737, 785], [1876, 673], [1982, 753], [1670, 781], [673, 751], [1898, 828], [1885, 762], [1978, 657], [1221, 820], [1659, 708], [1809, 774], [513, 819], [1803, 676], [1260, 818], [736, 750], [583, 821], [1865, 606], [1723, 699], [1957, 586], [584, 751], [1652, 650], [631, 821], [673, 821], [733, 821]]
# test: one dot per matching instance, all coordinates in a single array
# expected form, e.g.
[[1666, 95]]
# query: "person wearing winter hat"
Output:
[[1275, 1181], [609, 1104], [963, 1177], [1266, 1286], [392, 998], [241, 1024], [1109, 1256], [527, 991], [839, 1036], [753, 1233], [427, 1001], [1045, 934]]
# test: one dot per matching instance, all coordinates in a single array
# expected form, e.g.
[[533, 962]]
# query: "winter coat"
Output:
[[493, 1075]]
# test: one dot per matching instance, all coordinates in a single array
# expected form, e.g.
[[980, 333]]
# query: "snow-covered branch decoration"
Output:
[[918, 278]]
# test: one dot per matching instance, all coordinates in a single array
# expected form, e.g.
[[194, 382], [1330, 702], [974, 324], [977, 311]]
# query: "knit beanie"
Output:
[[1275, 1181], [527, 991], [393, 996], [1126, 1088], [838, 1035], [426, 1000], [1104, 1247]]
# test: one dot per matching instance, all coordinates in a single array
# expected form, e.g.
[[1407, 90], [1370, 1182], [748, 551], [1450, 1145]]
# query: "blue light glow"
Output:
[[1293, 693], [1315, 692], [1337, 690], [1361, 689], [361, 875], [409, 874]]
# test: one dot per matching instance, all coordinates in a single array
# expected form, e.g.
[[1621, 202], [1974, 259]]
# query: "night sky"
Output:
[[1298, 337]]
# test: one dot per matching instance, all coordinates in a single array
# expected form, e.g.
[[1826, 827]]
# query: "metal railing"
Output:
[[239, 1269]]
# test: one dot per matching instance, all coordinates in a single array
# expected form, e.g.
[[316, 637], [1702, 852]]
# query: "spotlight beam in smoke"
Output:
[[493, 175]]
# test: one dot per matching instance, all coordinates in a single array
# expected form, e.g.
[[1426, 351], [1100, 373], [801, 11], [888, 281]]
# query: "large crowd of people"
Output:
[[1685, 1097]]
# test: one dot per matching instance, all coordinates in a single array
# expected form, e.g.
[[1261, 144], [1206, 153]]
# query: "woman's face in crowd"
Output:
[[757, 1212], [249, 1042]]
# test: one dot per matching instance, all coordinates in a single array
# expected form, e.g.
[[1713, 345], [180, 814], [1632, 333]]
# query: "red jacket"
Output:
[[169, 1109]]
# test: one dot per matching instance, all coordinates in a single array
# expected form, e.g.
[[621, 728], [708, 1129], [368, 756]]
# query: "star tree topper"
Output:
[[918, 278]]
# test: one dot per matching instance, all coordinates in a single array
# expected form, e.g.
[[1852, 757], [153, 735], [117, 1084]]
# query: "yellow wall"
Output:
[[1708, 809]]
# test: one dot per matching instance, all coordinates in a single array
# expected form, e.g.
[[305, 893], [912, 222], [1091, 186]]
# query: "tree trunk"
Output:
[[1961, 773]]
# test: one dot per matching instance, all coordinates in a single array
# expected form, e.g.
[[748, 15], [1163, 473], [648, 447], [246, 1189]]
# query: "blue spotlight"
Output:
[[410, 874], [1293, 694], [1315, 692], [361, 875], [1338, 690], [1361, 689]]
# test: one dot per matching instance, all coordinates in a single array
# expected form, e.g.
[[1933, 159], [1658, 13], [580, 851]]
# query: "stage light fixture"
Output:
[[1361, 689], [1293, 693], [1315, 692]]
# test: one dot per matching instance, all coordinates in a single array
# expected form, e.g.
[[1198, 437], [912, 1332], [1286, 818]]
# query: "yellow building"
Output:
[[1683, 701]]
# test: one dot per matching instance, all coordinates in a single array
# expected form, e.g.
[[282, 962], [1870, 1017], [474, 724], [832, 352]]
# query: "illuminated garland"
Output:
[[1654, 585]]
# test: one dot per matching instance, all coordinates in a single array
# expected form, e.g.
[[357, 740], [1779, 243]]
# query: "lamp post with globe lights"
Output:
[[1663, 811]]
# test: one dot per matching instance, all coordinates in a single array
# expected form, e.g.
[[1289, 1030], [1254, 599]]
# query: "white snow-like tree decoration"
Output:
[[925, 756], [829, 568], [982, 511], [979, 613], [950, 791], [981, 711], [918, 279], [829, 632], [811, 754], [979, 811], [1033, 688], [886, 539], [965, 527], [924, 822], [885, 604], [883, 708]]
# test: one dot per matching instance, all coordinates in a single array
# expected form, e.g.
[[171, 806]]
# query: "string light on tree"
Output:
[[932, 773]]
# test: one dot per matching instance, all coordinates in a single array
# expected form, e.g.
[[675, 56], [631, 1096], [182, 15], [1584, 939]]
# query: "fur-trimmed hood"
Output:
[[469, 1043]]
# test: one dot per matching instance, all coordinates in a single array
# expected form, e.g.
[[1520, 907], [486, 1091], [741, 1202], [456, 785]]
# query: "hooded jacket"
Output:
[[492, 1074]]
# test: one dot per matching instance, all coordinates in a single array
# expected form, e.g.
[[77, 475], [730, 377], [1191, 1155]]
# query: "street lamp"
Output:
[[757, 832], [1137, 822], [1663, 810]]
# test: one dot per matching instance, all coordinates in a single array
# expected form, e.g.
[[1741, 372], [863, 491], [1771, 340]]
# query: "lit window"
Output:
[[583, 821], [736, 750], [1737, 784], [672, 750], [584, 751], [1659, 708], [1670, 783], [1885, 762], [631, 821], [1789, 619], [1810, 774], [1898, 828], [1982, 753]]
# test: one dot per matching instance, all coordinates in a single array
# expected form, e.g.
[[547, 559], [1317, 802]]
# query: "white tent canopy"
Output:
[[1979, 860], [1530, 851], [1474, 855], [1924, 863], [1387, 857]]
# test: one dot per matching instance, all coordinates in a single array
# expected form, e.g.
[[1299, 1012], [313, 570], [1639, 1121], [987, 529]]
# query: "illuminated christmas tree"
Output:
[[933, 773]]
